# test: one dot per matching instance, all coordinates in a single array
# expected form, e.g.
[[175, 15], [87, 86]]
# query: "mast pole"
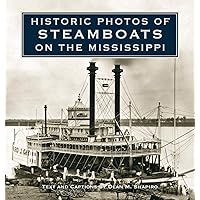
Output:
[[36, 116], [130, 120], [159, 122], [45, 120], [61, 119], [174, 132], [130, 138]]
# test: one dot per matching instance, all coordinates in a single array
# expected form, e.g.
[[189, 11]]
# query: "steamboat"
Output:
[[84, 144]]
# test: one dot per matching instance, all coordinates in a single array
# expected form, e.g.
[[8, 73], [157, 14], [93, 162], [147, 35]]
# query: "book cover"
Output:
[[100, 100]]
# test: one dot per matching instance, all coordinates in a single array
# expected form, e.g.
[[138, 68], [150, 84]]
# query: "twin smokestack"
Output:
[[117, 71], [92, 69]]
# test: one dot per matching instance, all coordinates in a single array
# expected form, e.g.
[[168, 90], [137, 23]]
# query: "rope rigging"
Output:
[[131, 98], [105, 101], [144, 132], [177, 138], [189, 142], [104, 98], [188, 139], [85, 84]]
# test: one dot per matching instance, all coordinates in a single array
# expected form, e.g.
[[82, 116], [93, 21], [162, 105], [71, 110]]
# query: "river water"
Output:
[[184, 147]]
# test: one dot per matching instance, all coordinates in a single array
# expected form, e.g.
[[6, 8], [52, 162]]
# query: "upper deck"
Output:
[[106, 149]]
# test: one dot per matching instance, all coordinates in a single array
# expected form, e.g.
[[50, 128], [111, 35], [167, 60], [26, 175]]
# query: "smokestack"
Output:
[[45, 120], [92, 68], [117, 72]]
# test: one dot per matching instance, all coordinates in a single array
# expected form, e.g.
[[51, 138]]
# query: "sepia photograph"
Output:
[[101, 127], [120, 129]]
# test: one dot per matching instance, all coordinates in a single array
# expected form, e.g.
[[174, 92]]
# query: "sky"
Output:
[[33, 82]]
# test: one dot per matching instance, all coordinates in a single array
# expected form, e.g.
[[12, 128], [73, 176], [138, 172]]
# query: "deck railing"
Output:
[[101, 152]]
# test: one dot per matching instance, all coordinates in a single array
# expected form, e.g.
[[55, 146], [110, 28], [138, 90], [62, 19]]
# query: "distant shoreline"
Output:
[[168, 122]]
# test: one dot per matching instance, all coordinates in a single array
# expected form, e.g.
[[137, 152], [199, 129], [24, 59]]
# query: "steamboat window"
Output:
[[154, 146], [108, 148]]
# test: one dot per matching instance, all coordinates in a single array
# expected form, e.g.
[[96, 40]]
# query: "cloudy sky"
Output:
[[33, 82]]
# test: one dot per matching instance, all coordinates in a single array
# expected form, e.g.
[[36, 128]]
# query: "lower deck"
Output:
[[123, 165]]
